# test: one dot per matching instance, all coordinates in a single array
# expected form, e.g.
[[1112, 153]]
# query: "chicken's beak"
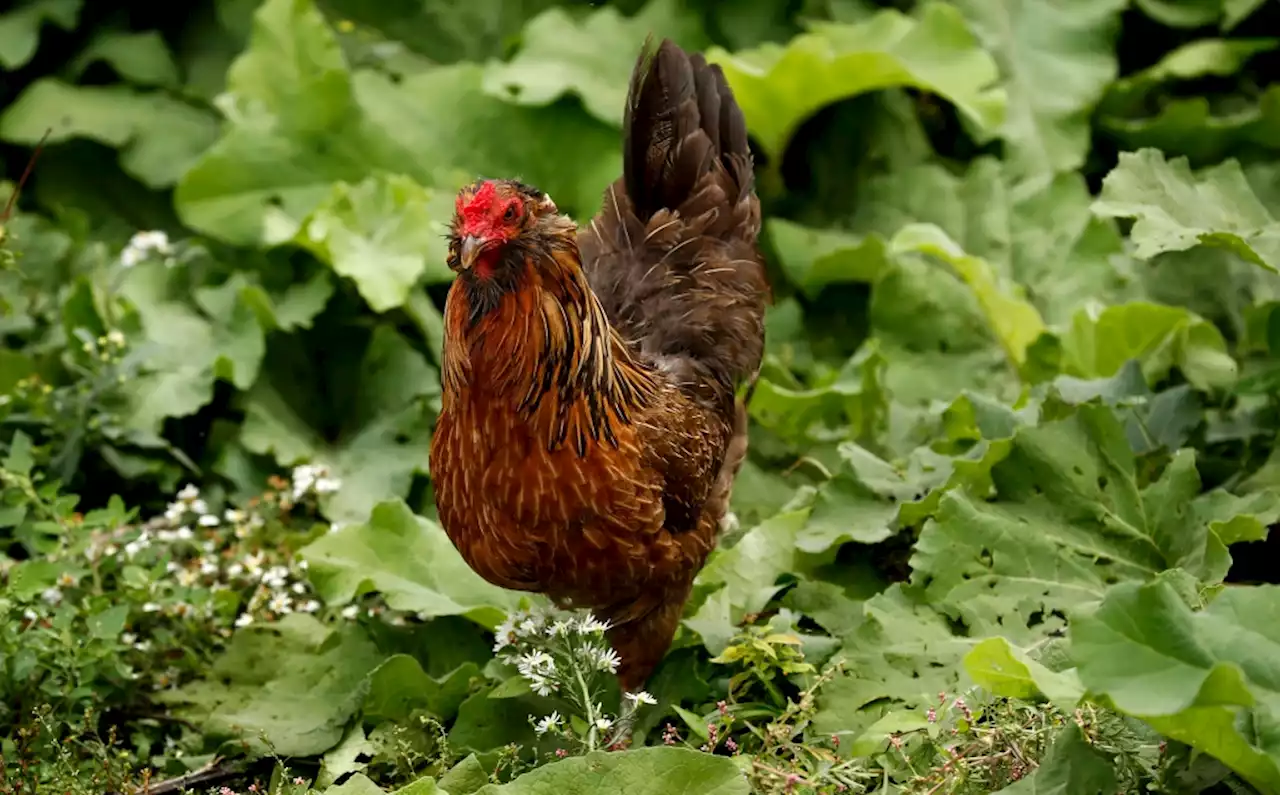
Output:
[[471, 246]]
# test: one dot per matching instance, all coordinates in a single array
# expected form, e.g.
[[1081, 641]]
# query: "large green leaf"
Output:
[[410, 561], [591, 57], [1210, 679], [778, 87], [647, 771], [1175, 210], [384, 233], [288, 688], [1056, 61], [384, 426], [1072, 518], [159, 137], [20, 28], [299, 120]]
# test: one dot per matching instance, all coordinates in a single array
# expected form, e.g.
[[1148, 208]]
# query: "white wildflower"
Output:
[[209, 520], [606, 659], [183, 533], [52, 595], [327, 485], [233, 516], [189, 492], [128, 638], [188, 577], [174, 512], [116, 337], [244, 620], [183, 610], [548, 723], [309, 606], [142, 245], [588, 625], [66, 579], [235, 570], [604, 724], [350, 611], [280, 603], [30, 614], [199, 507], [208, 567], [637, 700], [504, 635], [536, 662], [151, 607]]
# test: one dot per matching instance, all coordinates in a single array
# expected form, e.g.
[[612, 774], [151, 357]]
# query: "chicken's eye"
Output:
[[511, 213]]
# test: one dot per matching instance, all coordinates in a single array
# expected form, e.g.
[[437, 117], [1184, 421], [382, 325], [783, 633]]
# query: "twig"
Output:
[[216, 772]]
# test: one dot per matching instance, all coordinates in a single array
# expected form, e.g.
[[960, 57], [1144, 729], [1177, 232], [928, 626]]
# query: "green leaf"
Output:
[[1056, 62], [749, 569], [159, 137], [385, 428], [815, 258], [20, 28], [1208, 678], [1101, 340], [1006, 671], [903, 653], [300, 119], [410, 561], [1014, 321], [385, 234], [778, 87], [186, 349], [465, 777], [591, 57], [109, 623], [1175, 210], [1072, 519], [1071, 766], [142, 58], [398, 687], [647, 771], [288, 688]]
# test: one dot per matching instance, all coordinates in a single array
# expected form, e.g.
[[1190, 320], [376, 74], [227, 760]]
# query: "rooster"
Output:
[[595, 379]]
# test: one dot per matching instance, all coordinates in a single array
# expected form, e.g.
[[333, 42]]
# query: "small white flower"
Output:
[[189, 492], [208, 567], [528, 627], [309, 606], [280, 603], [603, 724], [607, 660], [174, 512], [548, 723], [350, 611], [115, 337], [183, 533], [233, 516], [29, 614], [199, 506], [327, 485], [183, 610], [128, 638], [588, 625], [52, 595], [66, 579], [536, 663], [188, 577], [208, 520], [235, 570], [641, 698], [151, 607], [502, 636], [244, 620]]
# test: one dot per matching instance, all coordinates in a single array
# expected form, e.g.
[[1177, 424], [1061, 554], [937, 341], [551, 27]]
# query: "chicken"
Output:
[[595, 379]]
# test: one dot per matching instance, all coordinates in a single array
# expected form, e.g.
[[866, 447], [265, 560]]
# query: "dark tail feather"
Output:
[[680, 118]]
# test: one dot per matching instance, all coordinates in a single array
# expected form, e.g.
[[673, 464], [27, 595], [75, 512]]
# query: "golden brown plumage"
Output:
[[591, 428]]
